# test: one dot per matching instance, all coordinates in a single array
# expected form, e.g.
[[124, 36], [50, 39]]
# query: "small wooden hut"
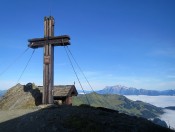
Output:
[[62, 94]]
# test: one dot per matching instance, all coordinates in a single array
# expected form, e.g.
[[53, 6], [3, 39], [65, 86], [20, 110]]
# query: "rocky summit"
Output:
[[21, 97]]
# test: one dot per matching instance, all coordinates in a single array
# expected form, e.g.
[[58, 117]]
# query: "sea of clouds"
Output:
[[159, 101]]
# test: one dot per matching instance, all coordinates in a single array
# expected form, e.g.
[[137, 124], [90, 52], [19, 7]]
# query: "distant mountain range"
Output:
[[122, 90]]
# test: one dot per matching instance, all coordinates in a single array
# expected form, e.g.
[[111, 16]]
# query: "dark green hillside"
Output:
[[120, 103]]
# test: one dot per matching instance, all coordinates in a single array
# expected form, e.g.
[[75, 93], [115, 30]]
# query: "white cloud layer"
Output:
[[159, 101]]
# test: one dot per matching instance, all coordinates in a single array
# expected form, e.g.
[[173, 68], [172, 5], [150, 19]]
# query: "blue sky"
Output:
[[123, 42]]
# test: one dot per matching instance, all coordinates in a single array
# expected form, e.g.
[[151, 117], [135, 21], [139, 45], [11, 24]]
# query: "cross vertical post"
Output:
[[48, 76], [48, 42]]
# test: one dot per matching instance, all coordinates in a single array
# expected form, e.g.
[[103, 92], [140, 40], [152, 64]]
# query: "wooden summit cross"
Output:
[[48, 42]]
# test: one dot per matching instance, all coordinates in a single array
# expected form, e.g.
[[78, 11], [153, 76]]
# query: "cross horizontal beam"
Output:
[[55, 41]]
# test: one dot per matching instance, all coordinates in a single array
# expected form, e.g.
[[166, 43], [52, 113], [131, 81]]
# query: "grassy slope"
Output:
[[120, 103]]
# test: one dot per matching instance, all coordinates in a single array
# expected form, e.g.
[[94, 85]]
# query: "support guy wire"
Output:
[[76, 74], [85, 77], [25, 66], [13, 62]]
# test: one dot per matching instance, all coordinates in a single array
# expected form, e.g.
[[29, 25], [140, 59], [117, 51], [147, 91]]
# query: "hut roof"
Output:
[[64, 90]]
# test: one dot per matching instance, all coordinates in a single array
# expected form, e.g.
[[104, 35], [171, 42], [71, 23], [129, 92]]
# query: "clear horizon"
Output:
[[129, 43]]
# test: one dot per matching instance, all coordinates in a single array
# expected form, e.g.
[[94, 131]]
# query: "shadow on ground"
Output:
[[79, 118]]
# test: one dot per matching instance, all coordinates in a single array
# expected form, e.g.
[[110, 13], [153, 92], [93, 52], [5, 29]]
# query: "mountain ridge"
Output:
[[20, 96]]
